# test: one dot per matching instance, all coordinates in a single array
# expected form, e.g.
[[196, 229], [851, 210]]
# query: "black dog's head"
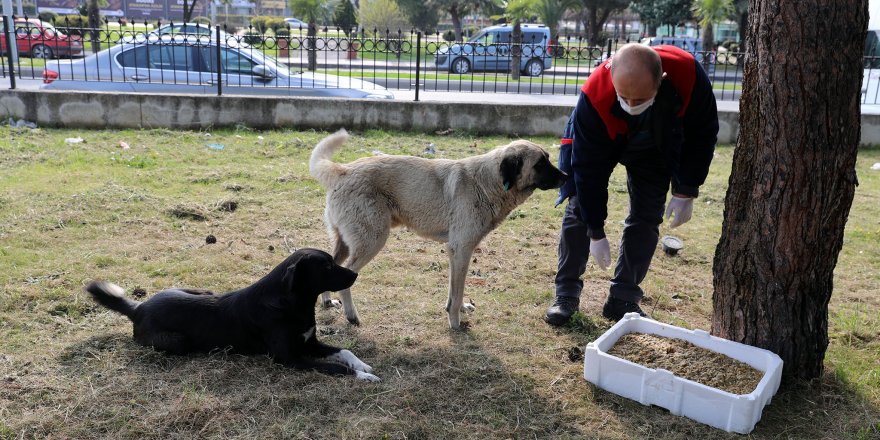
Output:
[[313, 271]]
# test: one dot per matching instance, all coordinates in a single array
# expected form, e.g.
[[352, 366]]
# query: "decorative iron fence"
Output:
[[191, 58]]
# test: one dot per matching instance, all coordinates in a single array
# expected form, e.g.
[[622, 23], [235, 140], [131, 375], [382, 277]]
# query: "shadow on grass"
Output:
[[429, 392]]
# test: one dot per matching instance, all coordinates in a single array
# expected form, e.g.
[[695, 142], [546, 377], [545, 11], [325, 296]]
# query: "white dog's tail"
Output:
[[322, 168]]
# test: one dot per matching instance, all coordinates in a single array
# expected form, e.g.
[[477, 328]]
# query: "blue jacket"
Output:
[[685, 129]]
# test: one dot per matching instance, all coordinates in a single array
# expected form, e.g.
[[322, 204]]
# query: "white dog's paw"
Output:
[[468, 307], [332, 303], [367, 377]]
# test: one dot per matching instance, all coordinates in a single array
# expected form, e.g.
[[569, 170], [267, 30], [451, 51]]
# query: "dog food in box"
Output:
[[712, 406]]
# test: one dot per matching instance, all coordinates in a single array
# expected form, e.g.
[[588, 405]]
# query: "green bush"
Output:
[[48, 16], [449, 35], [260, 23], [202, 20], [276, 23], [283, 32], [72, 24]]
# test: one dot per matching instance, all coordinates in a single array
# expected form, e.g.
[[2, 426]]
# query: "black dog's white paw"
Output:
[[367, 377], [348, 359]]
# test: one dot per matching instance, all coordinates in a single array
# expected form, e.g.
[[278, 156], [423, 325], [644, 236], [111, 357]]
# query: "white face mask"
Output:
[[635, 110]]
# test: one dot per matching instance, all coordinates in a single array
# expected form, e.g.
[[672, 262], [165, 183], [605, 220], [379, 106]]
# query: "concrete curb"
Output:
[[131, 110]]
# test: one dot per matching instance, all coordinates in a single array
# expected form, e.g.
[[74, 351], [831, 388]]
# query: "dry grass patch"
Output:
[[68, 369]]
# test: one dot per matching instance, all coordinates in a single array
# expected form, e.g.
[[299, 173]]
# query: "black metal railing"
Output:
[[213, 59]]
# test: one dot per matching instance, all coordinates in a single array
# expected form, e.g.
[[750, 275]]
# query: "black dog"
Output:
[[274, 316]]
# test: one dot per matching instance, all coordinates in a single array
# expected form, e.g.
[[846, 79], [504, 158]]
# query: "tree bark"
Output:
[[515, 50], [311, 35], [456, 22], [94, 24], [793, 178]]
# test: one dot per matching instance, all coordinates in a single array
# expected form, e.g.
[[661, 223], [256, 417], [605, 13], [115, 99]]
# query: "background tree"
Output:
[[597, 13], [422, 15], [550, 12], [344, 17], [793, 178], [381, 16], [655, 13], [518, 11], [710, 12], [460, 8], [741, 16], [311, 11], [93, 11]]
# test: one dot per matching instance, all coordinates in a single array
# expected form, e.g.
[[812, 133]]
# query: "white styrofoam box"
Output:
[[714, 407]]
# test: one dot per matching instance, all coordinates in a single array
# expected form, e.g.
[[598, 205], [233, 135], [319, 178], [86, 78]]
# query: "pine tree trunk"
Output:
[[793, 178]]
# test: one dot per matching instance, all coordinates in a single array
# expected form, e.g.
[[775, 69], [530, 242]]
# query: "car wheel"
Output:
[[460, 66], [534, 68], [41, 51]]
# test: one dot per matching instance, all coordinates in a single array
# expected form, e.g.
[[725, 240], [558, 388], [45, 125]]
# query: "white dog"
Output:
[[456, 202]]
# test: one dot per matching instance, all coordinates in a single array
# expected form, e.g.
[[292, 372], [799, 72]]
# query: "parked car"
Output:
[[490, 50], [690, 44], [38, 39], [198, 29], [296, 23], [189, 64]]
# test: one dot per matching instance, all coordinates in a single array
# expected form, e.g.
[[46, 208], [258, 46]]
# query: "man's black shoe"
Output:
[[561, 310], [614, 309]]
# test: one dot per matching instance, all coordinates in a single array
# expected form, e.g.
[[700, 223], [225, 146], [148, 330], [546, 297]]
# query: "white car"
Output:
[[189, 64]]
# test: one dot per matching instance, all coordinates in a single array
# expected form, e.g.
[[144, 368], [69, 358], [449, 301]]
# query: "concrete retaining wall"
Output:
[[117, 110]]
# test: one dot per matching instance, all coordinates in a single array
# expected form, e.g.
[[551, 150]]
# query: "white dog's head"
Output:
[[525, 166]]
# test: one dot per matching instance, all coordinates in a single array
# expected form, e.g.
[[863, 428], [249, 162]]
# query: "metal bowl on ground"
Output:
[[671, 245]]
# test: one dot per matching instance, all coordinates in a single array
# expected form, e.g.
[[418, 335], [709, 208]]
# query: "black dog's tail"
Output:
[[110, 296]]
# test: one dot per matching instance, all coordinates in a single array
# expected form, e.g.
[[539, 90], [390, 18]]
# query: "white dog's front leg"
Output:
[[329, 302], [459, 260]]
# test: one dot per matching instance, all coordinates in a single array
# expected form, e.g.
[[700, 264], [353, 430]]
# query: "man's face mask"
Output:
[[635, 110]]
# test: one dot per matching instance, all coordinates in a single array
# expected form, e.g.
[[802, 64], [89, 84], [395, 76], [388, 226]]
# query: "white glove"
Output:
[[681, 208], [601, 252]]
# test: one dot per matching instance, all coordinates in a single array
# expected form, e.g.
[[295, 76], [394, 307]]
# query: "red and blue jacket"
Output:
[[685, 129]]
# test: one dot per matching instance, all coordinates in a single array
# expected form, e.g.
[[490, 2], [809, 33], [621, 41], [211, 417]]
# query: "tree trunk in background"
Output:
[[94, 16], [311, 35], [743, 32], [708, 43], [456, 22], [793, 178], [515, 50]]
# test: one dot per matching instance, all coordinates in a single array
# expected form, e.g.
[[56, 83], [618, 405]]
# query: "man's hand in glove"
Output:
[[680, 208], [601, 252]]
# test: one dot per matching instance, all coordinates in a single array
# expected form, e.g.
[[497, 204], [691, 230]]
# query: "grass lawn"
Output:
[[70, 213]]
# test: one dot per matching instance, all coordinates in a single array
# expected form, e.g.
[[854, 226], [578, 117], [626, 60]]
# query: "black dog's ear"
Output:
[[294, 271], [511, 166]]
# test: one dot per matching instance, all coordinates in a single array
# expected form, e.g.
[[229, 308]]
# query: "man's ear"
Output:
[[511, 166]]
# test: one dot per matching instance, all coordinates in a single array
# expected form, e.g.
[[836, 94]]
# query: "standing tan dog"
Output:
[[456, 202]]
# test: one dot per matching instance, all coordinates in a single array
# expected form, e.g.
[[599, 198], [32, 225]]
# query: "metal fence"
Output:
[[165, 57]]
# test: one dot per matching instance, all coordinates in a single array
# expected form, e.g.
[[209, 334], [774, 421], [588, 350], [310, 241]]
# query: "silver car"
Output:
[[189, 64]]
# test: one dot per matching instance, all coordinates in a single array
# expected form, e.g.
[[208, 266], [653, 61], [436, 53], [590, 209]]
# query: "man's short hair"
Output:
[[638, 56]]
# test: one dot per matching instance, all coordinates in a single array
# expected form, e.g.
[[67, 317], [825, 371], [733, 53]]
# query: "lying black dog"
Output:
[[274, 316]]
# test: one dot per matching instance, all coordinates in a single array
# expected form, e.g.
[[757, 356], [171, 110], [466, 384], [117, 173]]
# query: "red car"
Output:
[[38, 39]]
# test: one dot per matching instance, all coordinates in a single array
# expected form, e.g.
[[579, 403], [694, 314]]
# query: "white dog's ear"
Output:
[[511, 167]]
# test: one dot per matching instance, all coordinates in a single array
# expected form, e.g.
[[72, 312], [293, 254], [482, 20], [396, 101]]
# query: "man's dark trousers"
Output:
[[647, 184]]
